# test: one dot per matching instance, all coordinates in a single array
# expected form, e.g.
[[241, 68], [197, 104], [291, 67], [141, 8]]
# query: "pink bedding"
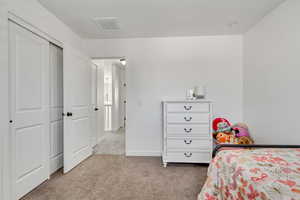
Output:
[[253, 174]]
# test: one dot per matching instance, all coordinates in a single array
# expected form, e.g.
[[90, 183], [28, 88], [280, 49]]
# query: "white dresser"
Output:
[[187, 135]]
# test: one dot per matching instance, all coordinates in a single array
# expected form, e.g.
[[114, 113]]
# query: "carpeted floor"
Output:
[[112, 143], [112, 177]]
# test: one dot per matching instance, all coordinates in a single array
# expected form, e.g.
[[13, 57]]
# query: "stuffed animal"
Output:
[[240, 131], [226, 138], [245, 140], [221, 125], [236, 134], [222, 137]]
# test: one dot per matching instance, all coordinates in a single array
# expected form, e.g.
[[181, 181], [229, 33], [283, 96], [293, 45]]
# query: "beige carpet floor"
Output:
[[112, 143], [112, 177]]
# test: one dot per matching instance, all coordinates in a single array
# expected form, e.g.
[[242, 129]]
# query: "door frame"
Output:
[[6, 192], [125, 88]]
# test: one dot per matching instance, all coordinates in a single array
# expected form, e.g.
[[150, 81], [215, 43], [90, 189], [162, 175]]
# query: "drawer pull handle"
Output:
[[188, 154], [188, 130], [188, 119], [187, 107], [188, 142]]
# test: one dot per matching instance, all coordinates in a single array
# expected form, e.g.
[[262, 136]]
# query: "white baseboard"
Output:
[[56, 163], [143, 153]]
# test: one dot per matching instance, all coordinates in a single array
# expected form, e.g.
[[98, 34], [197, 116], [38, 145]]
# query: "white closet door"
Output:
[[56, 108], [95, 109], [29, 97], [77, 108]]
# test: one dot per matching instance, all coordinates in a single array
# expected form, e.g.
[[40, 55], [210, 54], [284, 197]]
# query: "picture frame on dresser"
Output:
[[187, 131]]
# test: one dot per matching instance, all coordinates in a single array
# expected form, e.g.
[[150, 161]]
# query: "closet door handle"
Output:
[[69, 114], [188, 154], [187, 107], [96, 109], [188, 130], [188, 142], [188, 119]]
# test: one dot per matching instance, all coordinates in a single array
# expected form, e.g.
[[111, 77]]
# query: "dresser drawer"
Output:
[[188, 143], [188, 130], [188, 107], [189, 156], [188, 118]]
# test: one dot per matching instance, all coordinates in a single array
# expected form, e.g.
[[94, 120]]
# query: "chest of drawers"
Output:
[[187, 134]]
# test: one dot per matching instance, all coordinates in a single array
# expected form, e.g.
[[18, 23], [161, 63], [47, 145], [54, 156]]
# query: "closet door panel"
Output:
[[29, 98], [56, 108]]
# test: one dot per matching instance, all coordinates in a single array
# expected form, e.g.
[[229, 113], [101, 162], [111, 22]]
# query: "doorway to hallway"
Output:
[[111, 100]]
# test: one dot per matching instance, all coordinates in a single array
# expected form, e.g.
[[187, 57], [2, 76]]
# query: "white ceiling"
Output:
[[161, 18]]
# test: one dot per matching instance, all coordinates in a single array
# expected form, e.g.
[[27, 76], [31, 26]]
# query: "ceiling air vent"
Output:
[[107, 23]]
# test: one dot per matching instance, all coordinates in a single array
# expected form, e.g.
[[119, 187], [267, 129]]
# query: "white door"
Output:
[[95, 109], [29, 101], [100, 101], [56, 108], [77, 108]]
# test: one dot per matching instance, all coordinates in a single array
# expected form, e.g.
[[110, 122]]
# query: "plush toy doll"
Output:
[[222, 131], [242, 133], [226, 138], [221, 125], [222, 137]]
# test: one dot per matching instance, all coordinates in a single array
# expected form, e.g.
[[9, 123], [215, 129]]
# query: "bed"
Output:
[[259, 172]]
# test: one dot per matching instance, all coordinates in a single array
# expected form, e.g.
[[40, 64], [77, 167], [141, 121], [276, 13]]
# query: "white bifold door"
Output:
[[29, 102], [77, 108], [46, 82], [56, 108]]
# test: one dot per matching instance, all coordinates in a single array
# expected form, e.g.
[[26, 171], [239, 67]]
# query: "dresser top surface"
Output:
[[183, 100]]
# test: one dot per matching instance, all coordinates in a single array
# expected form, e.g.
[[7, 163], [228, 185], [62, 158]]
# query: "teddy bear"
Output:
[[245, 140]]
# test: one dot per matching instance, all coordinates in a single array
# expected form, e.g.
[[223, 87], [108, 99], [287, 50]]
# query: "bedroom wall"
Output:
[[38, 16], [4, 92], [271, 76], [166, 67]]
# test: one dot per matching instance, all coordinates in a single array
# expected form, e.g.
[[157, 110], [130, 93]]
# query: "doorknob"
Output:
[[96, 109], [69, 114]]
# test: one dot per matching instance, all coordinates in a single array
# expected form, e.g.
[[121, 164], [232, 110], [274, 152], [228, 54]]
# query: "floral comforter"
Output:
[[253, 174]]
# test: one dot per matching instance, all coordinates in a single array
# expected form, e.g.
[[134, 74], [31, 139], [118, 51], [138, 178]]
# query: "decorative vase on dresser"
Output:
[[187, 135]]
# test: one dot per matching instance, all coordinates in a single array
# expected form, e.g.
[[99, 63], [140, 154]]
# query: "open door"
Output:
[[95, 109], [77, 108]]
